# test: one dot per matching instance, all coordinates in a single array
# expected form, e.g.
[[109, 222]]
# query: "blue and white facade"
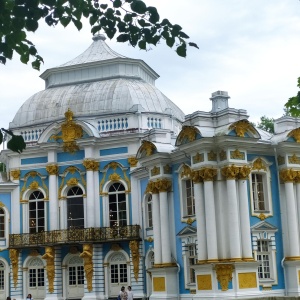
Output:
[[118, 187]]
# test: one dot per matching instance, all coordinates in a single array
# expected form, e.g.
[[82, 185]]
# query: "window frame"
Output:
[[36, 201], [70, 197]]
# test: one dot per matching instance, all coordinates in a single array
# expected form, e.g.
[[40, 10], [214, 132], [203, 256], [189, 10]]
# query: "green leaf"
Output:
[[183, 35], [193, 45], [24, 57], [142, 44], [154, 16], [1, 137], [128, 17], [117, 3], [123, 38], [65, 21], [32, 25], [36, 65], [181, 50], [138, 7], [170, 41], [77, 23], [32, 50], [16, 143], [103, 6], [2, 60]]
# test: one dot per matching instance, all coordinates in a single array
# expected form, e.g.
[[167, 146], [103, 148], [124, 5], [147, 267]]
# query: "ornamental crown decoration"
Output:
[[241, 127], [70, 133]]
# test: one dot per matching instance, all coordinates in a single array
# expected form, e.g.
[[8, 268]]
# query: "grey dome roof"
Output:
[[99, 81]]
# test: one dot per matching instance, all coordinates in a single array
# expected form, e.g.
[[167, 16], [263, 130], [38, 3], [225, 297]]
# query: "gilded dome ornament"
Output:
[[295, 134], [198, 158], [259, 165], [188, 134], [70, 133], [241, 127]]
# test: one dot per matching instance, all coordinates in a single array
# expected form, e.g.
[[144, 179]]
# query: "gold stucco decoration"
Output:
[[90, 164], [15, 174], [186, 171], [14, 259], [134, 248], [49, 257], [33, 185], [163, 185], [244, 172], [70, 133], [247, 280], [280, 160], [72, 181], [196, 177], [187, 134], [241, 127], [287, 175], [159, 284], [52, 169], [212, 156], [198, 158], [87, 255], [230, 172], [237, 154], [259, 165], [295, 133], [114, 177], [262, 216], [132, 161], [155, 171], [147, 148], [34, 252], [167, 169], [151, 188], [189, 221], [150, 239], [223, 155], [294, 159], [224, 275], [208, 174], [204, 282]]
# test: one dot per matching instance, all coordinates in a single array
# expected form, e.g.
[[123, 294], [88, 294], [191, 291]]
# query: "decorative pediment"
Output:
[[264, 226], [187, 230], [146, 149], [295, 135], [243, 128], [187, 134]]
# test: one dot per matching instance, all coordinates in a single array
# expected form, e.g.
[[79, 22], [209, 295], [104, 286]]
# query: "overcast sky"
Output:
[[249, 48]]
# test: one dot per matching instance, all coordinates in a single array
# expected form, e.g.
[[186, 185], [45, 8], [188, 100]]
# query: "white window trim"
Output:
[[6, 226], [146, 212], [267, 235], [267, 189]]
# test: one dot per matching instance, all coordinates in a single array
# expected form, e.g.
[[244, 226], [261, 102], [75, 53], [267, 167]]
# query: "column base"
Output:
[[165, 283], [292, 275], [227, 280]]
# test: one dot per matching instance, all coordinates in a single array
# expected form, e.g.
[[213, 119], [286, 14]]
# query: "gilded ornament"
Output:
[[52, 169], [236, 154], [223, 155], [189, 221], [71, 169], [204, 282], [297, 178], [147, 148], [196, 177], [134, 248], [33, 185], [247, 280], [294, 159], [114, 177], [87, 255], [230, 172], [187, 134], [262, 216], [33, 174], [198, 158], [151, 188], [163, 185], [295, 133], [49, 257], [70, 133], [159, 284], [115, 247], [259, 165], [14, 259], [224, 275], [34, 252], [287, 175], [241, 127], [212, 156], [208, 174], [150, 239], [244, 172], [132, 161], [91, 165], [167, 169], [72, 181], [155, 171], [280, 160], [113, 165], [186, 171], [15, 174]]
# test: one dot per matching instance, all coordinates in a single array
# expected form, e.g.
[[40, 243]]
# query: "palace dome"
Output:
[[97, 82]]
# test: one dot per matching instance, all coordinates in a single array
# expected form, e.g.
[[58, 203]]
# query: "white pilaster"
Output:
[[90, 199], [63, 213], [156, 229], [97, 220], [53, 203]]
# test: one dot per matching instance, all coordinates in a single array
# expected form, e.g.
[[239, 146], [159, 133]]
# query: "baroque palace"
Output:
[[118, 187]]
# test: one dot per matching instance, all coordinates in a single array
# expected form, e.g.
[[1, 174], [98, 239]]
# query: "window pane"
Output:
[[189, 197], [2, 280], [36, 212], [117, 205], [258, 192], [75, 208]]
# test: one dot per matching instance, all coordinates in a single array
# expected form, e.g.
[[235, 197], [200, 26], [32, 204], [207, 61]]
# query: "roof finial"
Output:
[[98, 37]]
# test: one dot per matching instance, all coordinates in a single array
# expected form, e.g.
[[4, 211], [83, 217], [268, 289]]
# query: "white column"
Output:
[[292, 221], [200, 217], [53, 196], [63, 213], [90, 221], [210, 219], [96, 199], [245, 220], [25, 214], [156, 229], [164, 226], [233, 221], [15, 211]]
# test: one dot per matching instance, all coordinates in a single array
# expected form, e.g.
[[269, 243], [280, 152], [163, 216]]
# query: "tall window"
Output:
[[191, 261], [258, 193], [2, 223], [118, 269], [36, 274], [75, 208], [188, 197], [263, 257], [2, 279], [149, 211], [117, 205], [36, 212]]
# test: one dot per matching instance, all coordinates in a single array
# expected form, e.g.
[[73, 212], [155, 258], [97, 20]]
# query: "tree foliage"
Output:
[[293, 104], [14, 142], [130, 21], [266, 124]]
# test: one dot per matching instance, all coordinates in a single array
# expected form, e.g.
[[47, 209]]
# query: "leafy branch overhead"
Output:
[[15, 142], [130, 21], [293, 104]]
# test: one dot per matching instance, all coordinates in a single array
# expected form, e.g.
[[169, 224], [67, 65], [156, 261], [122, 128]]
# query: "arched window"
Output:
[[75, 208], [2, 223], [36, 212], [117, 205]]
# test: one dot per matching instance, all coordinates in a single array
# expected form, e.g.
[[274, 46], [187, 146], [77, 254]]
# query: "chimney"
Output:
[[219, 101]]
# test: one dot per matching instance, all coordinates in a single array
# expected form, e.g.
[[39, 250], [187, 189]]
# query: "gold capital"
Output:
[[15, 174], [196, 177], [90, 164], [244, 172], [151, 188], [287, 175], [52, 169], [230, 172], [132, 161], [163, 185], [208, 174]]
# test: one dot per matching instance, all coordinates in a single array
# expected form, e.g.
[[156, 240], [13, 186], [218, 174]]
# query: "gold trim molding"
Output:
[[295, 133]]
